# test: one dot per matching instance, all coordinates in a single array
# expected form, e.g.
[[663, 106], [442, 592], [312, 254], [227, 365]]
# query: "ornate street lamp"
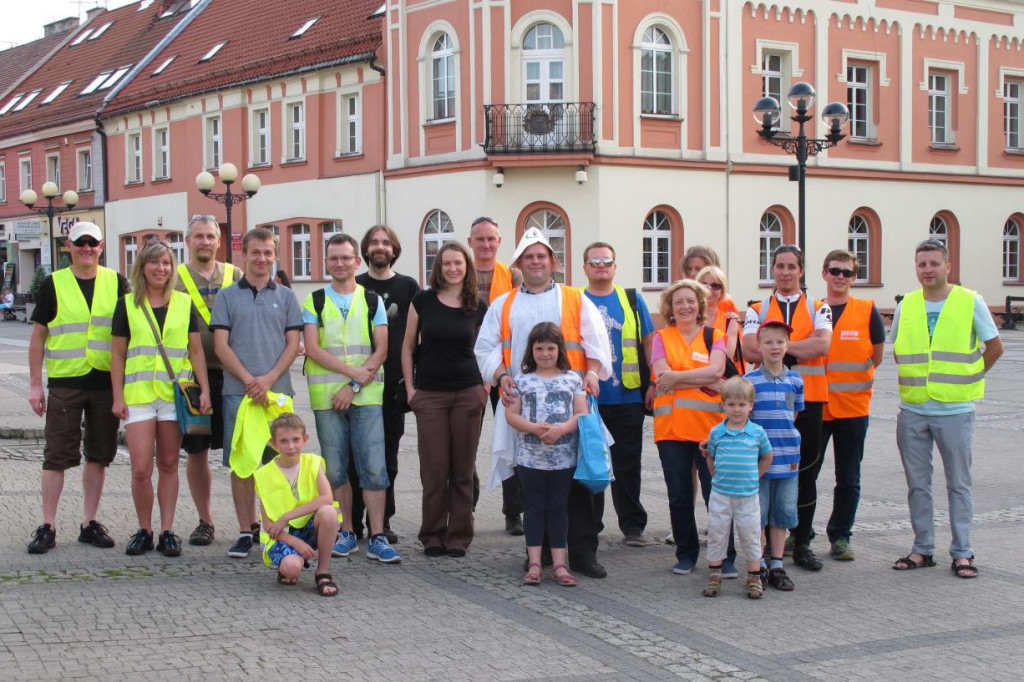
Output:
[[228, 174], [50, 191]]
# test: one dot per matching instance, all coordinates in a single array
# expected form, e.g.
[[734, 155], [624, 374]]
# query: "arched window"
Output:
[[177, 246], [327, 230], [656, 75], [657, 268], [301, 256], [131, 249], [544, 64], [436, 231], [442, 74], [858, 241], [1011, 251], [551, 224], [771, 238], [945, 228], [939, 230]]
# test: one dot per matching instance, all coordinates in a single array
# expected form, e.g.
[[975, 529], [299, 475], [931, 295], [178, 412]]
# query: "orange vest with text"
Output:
[[811, 371], [851, 370], [685, 413], [572, 301], [501, 281]]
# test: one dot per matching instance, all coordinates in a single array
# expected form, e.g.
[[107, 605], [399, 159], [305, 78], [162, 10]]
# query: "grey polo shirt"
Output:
[[256, 321]]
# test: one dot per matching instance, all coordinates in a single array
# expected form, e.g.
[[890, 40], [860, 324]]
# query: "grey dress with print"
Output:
[[549, 401]]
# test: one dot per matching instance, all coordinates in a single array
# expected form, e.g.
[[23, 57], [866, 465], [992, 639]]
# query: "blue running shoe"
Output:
[[346, 544], [729, 569], [380, 549], [683, 567]]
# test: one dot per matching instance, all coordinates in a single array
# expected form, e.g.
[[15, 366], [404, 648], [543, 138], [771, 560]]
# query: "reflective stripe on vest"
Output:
[[350, 343], [572, 302], [685, 414], [802, 322], [850, 367], [948, 366], [78, 337], [501, 281], [145, 374], [193, 291]]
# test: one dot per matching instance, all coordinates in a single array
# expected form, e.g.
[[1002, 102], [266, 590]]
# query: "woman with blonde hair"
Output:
[[724, 318], [153, 326]]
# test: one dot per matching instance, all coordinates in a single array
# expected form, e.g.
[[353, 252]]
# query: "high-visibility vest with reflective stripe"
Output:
[[78, 337], [348, 339], [850, 369], [145, 373], [948, 367], [572, 301], [686, 413], [501, 281], [630, 374], [802, 322], [193, 290]]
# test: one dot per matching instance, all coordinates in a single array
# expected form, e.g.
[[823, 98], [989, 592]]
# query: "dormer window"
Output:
[[114, 77], [28, 98], [164, 65], [56, 93], [305, 27], [95, 83], [81, 37], [7, 107], [101, 30]]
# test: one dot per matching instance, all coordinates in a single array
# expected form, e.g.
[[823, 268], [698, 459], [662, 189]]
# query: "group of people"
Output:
[[743, 409]]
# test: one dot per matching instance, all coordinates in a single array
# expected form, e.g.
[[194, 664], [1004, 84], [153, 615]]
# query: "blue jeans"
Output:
[[677, 460], [358, 432], [778, 501], [848, 437]]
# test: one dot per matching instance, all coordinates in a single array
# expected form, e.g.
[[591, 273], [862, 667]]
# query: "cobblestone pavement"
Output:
[[84, 613]]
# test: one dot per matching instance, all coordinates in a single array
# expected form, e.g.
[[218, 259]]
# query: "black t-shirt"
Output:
[[46, 311], [876, 326], [121, 326], [444, 357], [396, 294]]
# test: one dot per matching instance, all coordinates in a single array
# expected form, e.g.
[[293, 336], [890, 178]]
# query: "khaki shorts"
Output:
[[65, 409]]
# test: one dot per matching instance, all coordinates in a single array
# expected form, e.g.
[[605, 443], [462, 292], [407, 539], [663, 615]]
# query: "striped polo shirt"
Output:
[[736, 453], [776, 400]]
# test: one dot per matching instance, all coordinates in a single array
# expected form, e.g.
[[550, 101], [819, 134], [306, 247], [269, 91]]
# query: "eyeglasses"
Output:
[[835, 272], [86, 242], [601, 262], [787, 248], [717, 286]]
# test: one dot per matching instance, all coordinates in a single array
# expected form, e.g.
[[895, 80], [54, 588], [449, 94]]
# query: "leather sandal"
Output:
[[532, 578], [905, 563], [567, 579], [968, 570], [714, 585], [324, 581], [755, 589]]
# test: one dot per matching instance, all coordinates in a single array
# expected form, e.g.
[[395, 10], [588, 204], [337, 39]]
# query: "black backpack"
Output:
[[730, 366]]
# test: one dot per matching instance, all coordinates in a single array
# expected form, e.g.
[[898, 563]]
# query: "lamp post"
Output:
[[228, 174], [50, 191], [768, 112]]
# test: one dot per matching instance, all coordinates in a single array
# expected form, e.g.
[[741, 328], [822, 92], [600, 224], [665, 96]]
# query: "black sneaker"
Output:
[[170, 544], [391, 535], [804, 557], [95, 534], [778, 579], [44, 538], [140, 543], [202, 535], [241, 548], [514, 525]]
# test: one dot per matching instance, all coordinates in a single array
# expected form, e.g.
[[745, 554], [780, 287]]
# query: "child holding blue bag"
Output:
[[544, 412]]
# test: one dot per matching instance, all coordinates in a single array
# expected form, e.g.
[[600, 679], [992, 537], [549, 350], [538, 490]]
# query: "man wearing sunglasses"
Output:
[[858, 339], [73, 315]]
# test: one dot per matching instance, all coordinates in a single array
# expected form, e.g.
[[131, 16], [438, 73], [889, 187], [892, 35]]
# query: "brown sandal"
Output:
[[324, 581], [714, 585], [755, 590]]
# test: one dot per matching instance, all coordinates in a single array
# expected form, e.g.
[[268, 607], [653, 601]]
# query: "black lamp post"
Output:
[[50, 191], [768, 112], [228, 174]]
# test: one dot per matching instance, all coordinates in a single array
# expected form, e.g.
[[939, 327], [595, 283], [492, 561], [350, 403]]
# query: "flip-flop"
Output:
[[534, 578], [968, 570], [905, 563], [325, 580]]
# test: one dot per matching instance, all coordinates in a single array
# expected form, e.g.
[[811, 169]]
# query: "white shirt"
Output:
[[822, 317]]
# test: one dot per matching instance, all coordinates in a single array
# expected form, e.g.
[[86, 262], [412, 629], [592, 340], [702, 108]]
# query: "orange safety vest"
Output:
[[501, 281], [850, 369], [572, 301], [811, 371], [686, 413]]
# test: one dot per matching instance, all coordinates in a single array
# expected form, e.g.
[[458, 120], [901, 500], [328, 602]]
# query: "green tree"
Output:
[[37, 284]]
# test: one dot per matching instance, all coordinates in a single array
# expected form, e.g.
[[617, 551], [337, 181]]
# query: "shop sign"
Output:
[[28, 230]]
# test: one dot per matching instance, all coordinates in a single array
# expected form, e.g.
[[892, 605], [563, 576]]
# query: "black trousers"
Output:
[[848, 435], [808, 423], [394, 429], [626, 424]]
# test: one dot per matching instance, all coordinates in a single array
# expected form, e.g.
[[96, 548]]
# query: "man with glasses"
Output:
[[494, 278], [201, 278], [71, 330], [937, 336], [858, 339], [621, 402], [809, 344]]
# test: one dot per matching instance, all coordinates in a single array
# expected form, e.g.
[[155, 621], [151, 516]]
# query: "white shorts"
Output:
[[161, 410], [744, 513]]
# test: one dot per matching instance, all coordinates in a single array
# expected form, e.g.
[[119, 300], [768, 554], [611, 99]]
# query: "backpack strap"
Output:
[[763, 313], [709, 338], [319, 297], [371, 312]]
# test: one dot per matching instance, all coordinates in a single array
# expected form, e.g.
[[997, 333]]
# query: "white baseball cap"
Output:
[[83, 229], [534, 236]]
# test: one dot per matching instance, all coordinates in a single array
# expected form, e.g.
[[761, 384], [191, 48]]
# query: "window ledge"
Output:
[[439, 121], [293, 162], [654, 287], [865, 141], [662, 117], [944, 147], [85, 191], [867, 285], [339, 156], [160, 181], [1013, 283], [1013, 152], [133, 183], [258, 166]]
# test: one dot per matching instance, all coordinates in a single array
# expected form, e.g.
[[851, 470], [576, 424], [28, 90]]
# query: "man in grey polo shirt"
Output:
[[256, 326]]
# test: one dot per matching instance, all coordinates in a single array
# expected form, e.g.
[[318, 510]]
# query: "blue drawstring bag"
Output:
[[594, 465]]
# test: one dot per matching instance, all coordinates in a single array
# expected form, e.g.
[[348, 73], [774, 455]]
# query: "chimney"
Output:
[[59, 26], [95, 11]]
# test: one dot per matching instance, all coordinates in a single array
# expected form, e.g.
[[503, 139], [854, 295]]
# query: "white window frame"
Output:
[[55, 93], [83, 167], [133, 158], [327, 230], [177, 241], [162, 153], [1012, 120], [294, 131], [858, 242], [938, 230], [1011, 251], [552, 224], [769, 239], [3, 182], [657, 227], [25, 173], [437, 229], [212, 51], [213, 142], [940, 100], [859, 83], [53, 169], [651, 48], [305, 27], [442, 108], [350, 124], [260, 137], [302, 261], [25, 100], [131, 251], [163, 65]]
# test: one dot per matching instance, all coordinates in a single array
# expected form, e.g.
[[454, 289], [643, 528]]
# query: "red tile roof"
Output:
[[133, 34], [17, 61], [259, 46]]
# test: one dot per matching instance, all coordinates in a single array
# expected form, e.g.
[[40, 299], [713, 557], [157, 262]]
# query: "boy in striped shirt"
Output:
[[779, 397], [738, 452]]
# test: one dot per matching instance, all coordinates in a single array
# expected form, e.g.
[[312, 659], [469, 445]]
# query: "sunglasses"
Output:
[[717, 286], [483, 219], [86, 241], [601, 262], [161, 242], [787, 248], [933, 243], [835, 272]]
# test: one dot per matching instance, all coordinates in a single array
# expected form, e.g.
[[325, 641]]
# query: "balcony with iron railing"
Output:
[[538, 127]]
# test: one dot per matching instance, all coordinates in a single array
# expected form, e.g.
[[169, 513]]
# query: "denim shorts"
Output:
[[280, 550], [358, 432], [778, 502]]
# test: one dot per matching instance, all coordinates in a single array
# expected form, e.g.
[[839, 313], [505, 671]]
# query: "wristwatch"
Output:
[[356, 387]]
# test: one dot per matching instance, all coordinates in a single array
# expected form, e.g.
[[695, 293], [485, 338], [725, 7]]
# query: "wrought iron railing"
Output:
[[539, 127]]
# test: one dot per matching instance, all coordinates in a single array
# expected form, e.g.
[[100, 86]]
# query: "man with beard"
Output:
[[201, 278], [380, 249]]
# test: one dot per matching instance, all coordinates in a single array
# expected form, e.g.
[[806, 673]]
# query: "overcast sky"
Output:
[[23, 20]]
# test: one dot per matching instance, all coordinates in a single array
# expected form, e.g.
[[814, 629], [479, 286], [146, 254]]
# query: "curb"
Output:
[[33, 434]]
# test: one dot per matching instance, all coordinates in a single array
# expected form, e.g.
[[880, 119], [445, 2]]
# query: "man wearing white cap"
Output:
[[501, 346], [72, 332]]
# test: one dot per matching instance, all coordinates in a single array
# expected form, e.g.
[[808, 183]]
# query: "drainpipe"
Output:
[[382, 194]]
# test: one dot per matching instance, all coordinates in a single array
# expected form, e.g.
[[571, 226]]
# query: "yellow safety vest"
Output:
[[949, 366], [350, 343], [78, 338], [145, 373], [252, 431], [630, 358], [193, 290]]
